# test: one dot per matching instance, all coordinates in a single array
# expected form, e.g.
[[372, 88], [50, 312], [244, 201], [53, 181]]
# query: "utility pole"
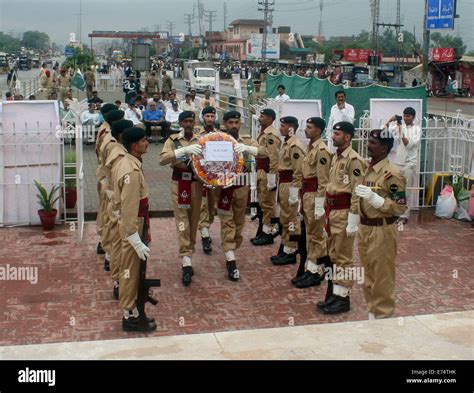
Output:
[[80, 23], [426, 43], [321, 6], [210, 16], [170, 25], [189, 20], [266, 7], [225, 16]]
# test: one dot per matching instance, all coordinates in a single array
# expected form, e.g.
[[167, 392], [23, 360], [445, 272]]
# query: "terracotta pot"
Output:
[[48, 219], [71, 198]]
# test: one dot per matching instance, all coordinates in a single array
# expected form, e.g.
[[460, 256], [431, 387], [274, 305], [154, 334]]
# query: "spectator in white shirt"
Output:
[[91, 117], [407, 137], [281, 94], [133, 114], [187, 104], [172, 116], [207, 100], [341, 111]]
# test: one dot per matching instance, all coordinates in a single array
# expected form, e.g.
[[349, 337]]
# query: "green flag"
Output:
[[78, 81], [250, 87]]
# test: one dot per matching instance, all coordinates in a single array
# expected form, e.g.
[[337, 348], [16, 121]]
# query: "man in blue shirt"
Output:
[[154, 117]]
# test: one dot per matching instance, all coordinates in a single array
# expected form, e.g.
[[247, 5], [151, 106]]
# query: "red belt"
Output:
[[336, 202], [310, 184], [378, 222], [185, 179], [263, 163], [183, 175], [285, 176]]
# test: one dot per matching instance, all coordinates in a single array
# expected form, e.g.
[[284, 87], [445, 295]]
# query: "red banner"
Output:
[[442, 55], [357, 55]]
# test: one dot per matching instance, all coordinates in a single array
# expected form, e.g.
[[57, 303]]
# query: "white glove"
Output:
[[141, 249], [240, 148], [319, 208], [110, 194], [294, 196], [373, 198], [271, 181], [188, 151], [352, 224]]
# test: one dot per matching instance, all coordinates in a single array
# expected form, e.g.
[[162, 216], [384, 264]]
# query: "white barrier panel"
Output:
[[30, 150]]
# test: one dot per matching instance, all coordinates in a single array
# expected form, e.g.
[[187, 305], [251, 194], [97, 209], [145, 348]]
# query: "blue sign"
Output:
[[69, 52], [440, 14]]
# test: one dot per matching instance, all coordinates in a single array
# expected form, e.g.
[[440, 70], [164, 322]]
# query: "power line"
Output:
[[225, 16], [189, 19], [210, 16], [170, 25], [321, 6]]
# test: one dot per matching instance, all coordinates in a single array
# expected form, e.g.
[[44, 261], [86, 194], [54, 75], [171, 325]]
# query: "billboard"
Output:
[[442, 55], [440, 14], [254, 47]]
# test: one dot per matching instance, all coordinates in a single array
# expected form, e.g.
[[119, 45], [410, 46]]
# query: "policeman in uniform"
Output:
[[290, 171], [232, 201], [112, 151], [152, 84], [315, 179], [342, 218], [208, 204], [382, 199], [257, 96], [131, 196], [267, 168], [186, 190], [65, 82]]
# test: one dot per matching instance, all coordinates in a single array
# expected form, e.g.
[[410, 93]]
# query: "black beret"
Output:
[[385, 137], [186, 115], [317, 121], [345, 127], [409, 111], [291, 120], [268, 112], [209, 109], [132, 135], [119, 126], [114, 115], [232, 115], [257, 82], [107, 108]]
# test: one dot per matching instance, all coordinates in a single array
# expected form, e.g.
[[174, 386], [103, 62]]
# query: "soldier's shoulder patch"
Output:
[[387, 175], [393, 188], [357, 172], [296, 156], [323, 161], [271, 141]]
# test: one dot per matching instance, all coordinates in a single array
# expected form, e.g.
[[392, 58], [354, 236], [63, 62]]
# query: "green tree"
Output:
[[84, 58], [448, 41], [35, 40], [9, 44]]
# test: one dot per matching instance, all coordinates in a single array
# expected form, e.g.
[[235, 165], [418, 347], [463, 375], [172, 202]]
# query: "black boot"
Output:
[[100, 250], [309, 280], [139, 324], [106, 265], [294, 280], [188, 273], [263, 240], [285, 259], [234, 273], [329, 298], [279, 253], [116, 292], [206, 245], [338, 305]]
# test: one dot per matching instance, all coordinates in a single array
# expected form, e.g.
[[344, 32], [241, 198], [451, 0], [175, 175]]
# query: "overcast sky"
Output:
[[58, 18]]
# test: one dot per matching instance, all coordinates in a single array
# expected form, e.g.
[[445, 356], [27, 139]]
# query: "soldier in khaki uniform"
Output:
[[131, 198], [315, 179], [267, 168], [110, 114], [64, 82], [290, 171], [257, 96], [232, 202], [382, 200], [166, 83], [89, 78], [208, 204], [186, 190], [342, 217], [152, 85], [111, 152]]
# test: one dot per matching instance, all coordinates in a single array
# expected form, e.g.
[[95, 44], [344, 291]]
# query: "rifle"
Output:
[[303, 251], [144, 284], [258, 216]]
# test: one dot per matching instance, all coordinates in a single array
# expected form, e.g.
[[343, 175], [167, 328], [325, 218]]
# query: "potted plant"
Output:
[[70, 184], [47, 214]]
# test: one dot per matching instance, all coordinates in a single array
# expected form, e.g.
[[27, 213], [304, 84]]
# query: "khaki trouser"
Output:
[[187, 219], [130, 271], [289, 219], [340, 246], [232, 224], [100, 221], [113, 242], [408, 171], [266, 199], [316, 242], [377, 250], [208, 209]]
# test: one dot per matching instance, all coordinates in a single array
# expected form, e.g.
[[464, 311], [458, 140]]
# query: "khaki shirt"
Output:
[[201, 131], [292, 154], [389, 183], [89, 78], [317, 164], [270, 143], [167, 156], [103, 130], [116, 151], [65, 81], [345, 175], [129, 188], [256, 98], [152, 84]]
